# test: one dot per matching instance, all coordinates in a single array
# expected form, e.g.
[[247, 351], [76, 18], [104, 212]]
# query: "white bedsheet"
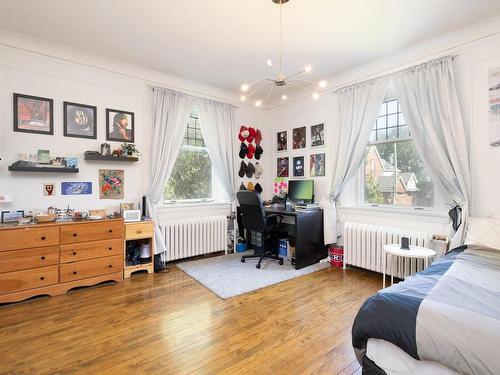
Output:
[[395, 361]]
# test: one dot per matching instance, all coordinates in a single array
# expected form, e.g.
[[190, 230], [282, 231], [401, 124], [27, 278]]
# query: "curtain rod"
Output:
[[192, 93]]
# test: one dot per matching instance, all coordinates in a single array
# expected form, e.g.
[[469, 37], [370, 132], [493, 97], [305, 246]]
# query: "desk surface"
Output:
[[281, 210]]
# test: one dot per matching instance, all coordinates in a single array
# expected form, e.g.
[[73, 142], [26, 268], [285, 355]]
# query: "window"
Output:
[[191, 178], [394, 173]]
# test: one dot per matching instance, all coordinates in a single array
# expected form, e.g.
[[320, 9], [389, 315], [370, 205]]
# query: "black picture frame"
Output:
[[85, 108], [24, 128], [299, 167], [2, 217], [109, 134]]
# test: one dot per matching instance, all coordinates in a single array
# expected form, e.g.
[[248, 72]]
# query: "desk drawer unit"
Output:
[[90, 250], [139, 230], [22, 280], [91, 232], [90, 268], [25, 238], [31, 258]]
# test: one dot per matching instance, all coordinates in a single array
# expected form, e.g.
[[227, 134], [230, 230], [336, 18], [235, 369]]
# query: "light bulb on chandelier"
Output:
[[280, 80]]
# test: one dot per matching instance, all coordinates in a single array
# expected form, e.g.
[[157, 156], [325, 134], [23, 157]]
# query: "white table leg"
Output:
[[384, 261], [392, 269]]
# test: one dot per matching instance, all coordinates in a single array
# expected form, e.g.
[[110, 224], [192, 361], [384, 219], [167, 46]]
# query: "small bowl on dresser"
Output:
[[45, 218]]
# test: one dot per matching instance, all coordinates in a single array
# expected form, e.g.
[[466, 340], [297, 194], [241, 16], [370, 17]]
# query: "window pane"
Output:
[[402, 120], [392, 120], [392, 106], [403, 131], [392, 133], [383, 111], [381, 134], [395, 175], [381, 123], [191, 177]]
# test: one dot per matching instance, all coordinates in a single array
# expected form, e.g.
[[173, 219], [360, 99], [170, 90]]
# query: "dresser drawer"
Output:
[[26, 259], [25, 238], [90, 250], [22, 280], [90, 268], [138, 230], [101, 230]]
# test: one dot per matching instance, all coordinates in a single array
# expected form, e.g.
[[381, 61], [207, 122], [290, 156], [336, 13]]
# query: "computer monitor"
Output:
[[301, 190]]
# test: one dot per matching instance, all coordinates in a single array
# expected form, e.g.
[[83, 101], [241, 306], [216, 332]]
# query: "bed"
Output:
[[444, 320]]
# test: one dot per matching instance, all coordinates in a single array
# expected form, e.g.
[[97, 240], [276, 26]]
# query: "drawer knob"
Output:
[[110, 231], [43, 238], [110, 266], [74, 272], [110, 248], [42, 257], [74, 234], [139, 231], [42, 278], [74, 252]]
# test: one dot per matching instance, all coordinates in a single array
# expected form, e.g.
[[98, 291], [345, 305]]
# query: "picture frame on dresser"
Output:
[[33, 114], [11, 216]]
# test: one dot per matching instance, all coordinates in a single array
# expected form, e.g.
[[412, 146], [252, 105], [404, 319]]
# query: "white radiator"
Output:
[[186, 238], [364, 247]]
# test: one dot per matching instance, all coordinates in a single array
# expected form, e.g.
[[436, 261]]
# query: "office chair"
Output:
[[259, 225]]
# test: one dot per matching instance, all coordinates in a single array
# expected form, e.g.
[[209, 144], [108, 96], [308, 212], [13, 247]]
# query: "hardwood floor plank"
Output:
[[170, 324]]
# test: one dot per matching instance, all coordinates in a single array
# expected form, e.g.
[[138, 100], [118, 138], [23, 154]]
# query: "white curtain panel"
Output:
[[217, 121], [429, 100], [357, 107], [171, 115]]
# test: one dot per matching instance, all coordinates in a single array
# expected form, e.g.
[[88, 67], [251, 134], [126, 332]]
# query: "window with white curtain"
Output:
[[394, 173], [191, 179]]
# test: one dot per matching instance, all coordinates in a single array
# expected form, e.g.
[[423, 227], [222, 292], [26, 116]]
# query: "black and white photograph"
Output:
[[282, 141], [80, 120], [298, 166], [318, 135], [119, 126]]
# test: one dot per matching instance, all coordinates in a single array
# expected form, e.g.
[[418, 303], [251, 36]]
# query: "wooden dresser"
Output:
[[53, 258]]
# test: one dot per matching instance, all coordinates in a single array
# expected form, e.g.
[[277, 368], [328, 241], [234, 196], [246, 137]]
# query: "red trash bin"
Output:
[[336, 255]]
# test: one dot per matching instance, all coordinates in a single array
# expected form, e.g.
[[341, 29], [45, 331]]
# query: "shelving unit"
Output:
[[97, 157], [139, 231], [16, 168]]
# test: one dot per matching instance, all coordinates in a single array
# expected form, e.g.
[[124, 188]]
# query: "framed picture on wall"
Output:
[[282, 167], [299, 138], [298, 166], [80, 120], [33, 114], [119, 126], [11, 216], [318, 135], [282, 141], [317, 165]]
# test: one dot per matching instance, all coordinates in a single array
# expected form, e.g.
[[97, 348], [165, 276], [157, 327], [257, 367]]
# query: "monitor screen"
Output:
[[301, 190]]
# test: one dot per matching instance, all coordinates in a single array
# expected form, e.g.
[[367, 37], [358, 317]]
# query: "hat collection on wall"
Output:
[[250, 148]]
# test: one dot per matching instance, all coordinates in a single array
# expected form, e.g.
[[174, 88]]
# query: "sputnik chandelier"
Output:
[[262, 89]]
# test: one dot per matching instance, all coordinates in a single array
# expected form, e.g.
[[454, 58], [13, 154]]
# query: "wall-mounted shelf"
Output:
[[110, 158], [17, 168]]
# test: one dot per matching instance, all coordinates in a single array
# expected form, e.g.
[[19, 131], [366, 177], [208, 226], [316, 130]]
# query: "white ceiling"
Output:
[[226, 42]]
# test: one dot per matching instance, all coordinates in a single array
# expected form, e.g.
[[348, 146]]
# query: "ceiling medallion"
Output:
[[264, 87]]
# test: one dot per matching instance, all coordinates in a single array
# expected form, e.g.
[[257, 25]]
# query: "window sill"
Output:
[[403, 213], [194, 205]]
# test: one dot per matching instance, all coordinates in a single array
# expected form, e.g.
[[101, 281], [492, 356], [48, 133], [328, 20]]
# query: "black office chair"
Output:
[[263, 230]]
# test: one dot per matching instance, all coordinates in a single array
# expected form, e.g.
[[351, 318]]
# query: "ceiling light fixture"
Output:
[[280, 80]]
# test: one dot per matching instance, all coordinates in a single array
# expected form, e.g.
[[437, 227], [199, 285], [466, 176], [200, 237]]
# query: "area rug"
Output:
[[227, 277]]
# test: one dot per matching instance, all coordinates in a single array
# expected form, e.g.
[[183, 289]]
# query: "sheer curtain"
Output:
[[171, 114], [217, 124], [357, 107], [429, 100]]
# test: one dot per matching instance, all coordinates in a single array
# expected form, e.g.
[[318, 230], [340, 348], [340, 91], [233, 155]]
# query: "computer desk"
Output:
[[305, 233]]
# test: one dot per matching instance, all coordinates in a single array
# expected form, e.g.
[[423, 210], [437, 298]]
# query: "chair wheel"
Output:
[[281, 262], [242, 260], [257, 266]]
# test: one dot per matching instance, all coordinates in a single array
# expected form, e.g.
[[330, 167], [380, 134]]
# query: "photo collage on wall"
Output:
[[302, 138], [35, 114]]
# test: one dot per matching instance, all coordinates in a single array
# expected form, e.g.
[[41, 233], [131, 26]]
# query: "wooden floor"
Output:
[[169, 324]]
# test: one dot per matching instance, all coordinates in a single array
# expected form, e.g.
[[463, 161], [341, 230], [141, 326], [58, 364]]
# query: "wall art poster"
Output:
[[49, 189], [281, 141], [318, 135], [494, 106], [299, 137], [298, 166], [33, 114], [317, 165], [76, 188], [111, 184], [119, 126], [280, 186], [282, 167], [80, 120]]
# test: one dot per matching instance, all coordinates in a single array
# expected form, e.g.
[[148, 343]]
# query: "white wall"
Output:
[[40, 69], [478, 49]]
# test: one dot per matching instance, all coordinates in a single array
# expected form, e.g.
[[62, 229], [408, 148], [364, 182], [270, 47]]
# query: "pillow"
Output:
[[483, 232]]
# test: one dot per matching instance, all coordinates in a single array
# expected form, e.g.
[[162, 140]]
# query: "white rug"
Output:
[[227, 277]]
